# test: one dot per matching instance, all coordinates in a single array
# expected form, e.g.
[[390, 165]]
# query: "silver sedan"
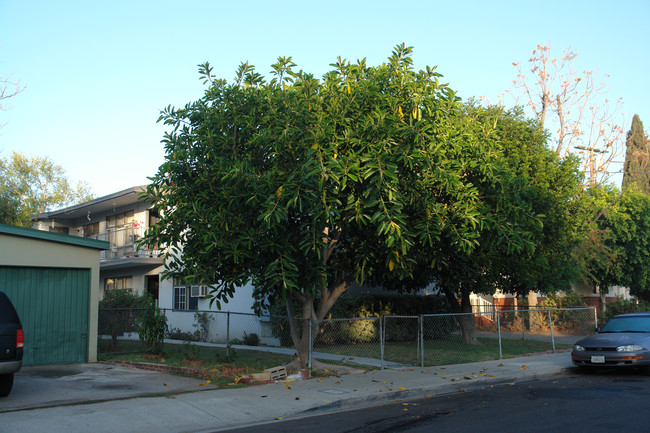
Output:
[[623, 342]]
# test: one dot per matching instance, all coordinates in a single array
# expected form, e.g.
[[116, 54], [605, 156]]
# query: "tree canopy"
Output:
[[304, 186], [625, 221], [637, 156], [32, 185]]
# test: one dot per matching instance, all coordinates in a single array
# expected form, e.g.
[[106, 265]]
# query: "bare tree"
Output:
[[573, 107], [8, 89]]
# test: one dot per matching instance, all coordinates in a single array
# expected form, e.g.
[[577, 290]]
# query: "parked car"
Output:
[[12, 341], [623, 342]]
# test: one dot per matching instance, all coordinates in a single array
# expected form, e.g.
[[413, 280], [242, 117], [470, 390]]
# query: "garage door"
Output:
[[53, 305]]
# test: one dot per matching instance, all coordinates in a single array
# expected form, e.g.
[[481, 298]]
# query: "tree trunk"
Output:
[[311, 317], [465, 320]]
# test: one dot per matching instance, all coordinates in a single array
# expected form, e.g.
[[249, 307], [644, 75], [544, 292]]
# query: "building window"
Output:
[[180, 298], [186, 296], [118, 283]]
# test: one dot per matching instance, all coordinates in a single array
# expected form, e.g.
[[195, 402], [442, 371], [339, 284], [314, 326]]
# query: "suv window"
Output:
[[7, 312]]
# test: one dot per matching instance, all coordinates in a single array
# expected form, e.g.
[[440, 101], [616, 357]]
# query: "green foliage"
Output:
[[624, 219], [178, 334], [621, 305], [565, 320], [122, 299], [202, 325], [566, 300], [118, 314], [251, 339], [153, 327], [369, 306], [32, 185], [301, 187], [637, 157]]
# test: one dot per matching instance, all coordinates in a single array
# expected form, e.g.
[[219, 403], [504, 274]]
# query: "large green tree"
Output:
[[637, 156], [624, 221], [543, 194], [304, 186], [32, 185]]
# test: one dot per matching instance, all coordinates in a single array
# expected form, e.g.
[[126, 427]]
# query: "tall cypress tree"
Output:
[[637, 157]]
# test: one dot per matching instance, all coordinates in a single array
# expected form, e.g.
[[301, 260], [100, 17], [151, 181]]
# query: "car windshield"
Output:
[[628, 324]]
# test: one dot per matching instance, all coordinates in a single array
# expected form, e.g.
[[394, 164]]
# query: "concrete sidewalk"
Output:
[[211, 410]]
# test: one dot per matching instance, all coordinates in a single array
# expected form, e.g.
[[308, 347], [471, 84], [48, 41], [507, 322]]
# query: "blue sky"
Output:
[[97, 74]]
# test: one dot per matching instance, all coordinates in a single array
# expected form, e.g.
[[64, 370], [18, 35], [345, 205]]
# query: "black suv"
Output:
[[12, 341]]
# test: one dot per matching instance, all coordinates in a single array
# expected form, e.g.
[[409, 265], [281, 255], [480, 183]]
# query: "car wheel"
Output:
[[6, 383]]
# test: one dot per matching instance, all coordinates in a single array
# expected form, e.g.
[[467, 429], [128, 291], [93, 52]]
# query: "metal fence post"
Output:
[[228, 334], [421, 338], [382, 338], [310, 350], [499, 331], [550, 322], [595, 318]]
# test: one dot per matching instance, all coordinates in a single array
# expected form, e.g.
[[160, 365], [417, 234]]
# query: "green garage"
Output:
[[53, 281]]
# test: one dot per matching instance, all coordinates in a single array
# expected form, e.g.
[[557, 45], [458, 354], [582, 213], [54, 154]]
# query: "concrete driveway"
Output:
[[70, 384]]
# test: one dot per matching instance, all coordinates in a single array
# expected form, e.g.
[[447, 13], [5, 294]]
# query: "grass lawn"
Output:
[[442, 352]]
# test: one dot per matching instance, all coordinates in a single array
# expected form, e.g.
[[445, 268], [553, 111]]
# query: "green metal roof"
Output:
[[53, 237]]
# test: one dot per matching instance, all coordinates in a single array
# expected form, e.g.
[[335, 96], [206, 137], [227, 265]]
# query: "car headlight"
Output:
[[578, 348], [629, 348]]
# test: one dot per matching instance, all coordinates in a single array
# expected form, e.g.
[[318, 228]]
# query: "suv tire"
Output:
[[6, 383]]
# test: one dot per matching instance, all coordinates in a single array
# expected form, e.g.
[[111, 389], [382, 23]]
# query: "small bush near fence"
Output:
[[621, 305], [365, 307]]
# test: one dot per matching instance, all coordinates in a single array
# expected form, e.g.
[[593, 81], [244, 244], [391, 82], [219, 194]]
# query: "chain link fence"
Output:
[[379, 342]]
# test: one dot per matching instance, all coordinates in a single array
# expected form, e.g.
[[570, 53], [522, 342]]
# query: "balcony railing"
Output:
[[123, 244]]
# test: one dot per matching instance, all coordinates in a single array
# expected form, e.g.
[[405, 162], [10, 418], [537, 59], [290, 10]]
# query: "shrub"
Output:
[[153, 327], [178, 334], [621, 305], [118, 314], [565, 320], [202, 325], [251, 339]]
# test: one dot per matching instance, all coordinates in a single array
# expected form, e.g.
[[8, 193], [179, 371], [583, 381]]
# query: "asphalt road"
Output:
[[607, 401]]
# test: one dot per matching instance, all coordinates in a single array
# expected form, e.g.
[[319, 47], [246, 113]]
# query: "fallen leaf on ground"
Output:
[[337, 382], [524, 367], [467, 378], [319, 380], [287, 386], [501, 365], [288, 381], [280, 417], [401, 388]]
